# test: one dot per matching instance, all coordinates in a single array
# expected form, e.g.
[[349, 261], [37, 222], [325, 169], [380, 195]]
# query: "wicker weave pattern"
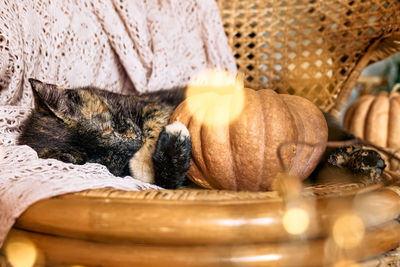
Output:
[[308, 47]]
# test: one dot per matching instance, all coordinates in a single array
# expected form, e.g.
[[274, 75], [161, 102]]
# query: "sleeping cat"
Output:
[[130, 135], [127, 134]]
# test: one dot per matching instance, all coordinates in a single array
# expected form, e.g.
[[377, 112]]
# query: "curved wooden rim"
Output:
[[162, 219], [58, 250], [200, 195]]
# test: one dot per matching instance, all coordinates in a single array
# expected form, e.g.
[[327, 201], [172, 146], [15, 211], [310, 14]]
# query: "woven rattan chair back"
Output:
[[313, 48]]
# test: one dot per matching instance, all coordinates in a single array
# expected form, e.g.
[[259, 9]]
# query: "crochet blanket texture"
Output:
[[121, 46]]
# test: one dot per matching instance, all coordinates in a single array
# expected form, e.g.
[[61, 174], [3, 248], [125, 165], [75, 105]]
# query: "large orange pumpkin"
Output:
[[239, 151], [376, 119]]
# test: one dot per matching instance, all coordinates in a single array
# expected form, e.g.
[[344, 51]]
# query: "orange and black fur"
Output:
[[121, 132], [130, 135]]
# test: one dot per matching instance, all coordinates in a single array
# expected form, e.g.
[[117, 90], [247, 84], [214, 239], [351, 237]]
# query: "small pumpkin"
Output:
[[239, 150], [376, 119]]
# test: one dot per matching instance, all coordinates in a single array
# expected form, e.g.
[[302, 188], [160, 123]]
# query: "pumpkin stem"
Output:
[[394, 89]]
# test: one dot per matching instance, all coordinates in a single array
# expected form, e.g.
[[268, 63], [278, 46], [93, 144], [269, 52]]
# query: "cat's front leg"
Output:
[[141, 165], [155, 117], [171, 157]]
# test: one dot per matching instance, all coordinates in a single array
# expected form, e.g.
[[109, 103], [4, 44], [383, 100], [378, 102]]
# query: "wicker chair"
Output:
[[312, 48]]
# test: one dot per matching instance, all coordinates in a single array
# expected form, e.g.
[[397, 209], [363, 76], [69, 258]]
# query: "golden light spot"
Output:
[[296, 221], [348, 231], [21, 252], [218, 94], [346, 263]]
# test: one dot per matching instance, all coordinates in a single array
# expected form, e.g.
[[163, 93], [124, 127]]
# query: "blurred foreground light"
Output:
[[257, 258], [238, 222], [21, 252], [346, 263], [296, 221], [287, 185], [216, 97], [348, 231]]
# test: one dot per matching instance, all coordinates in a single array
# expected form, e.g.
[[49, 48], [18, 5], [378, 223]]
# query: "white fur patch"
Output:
[[141, 166], [177, 128]]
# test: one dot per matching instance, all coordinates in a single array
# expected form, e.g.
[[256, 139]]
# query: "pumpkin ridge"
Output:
[[360, 114], [368, 113], [197, 121], [394, 122], [214, 182], [260, 176], [194, 160], [246, 134], [273, 104], [349, 116], [264, 123], [377, 114], [212, 131], [312, 129], [234, 167], [389, 125], [300, 136]]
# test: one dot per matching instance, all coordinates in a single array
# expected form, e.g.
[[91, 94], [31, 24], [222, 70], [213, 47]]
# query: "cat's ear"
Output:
[[50, 98]]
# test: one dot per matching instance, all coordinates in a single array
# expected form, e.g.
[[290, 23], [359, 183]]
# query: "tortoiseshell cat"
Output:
[[127, 134], [130, 135]]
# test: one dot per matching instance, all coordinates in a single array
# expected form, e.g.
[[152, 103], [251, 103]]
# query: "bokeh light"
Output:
[[287, 185], [215, 97], [296, 221], [346, 263], [20, 251], [348, 231], [214, 80]]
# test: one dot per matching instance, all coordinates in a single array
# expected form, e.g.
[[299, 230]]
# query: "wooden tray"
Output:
[[203, 227]]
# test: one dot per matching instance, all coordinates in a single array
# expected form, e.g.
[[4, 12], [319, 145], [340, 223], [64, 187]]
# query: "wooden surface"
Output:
[[207, 227], [59, 251], [197, 222]]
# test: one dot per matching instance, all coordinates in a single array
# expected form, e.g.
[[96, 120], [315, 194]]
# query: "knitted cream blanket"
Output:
[[122, 46]]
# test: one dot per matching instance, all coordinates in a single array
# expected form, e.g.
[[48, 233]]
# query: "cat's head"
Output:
[[108, 124]]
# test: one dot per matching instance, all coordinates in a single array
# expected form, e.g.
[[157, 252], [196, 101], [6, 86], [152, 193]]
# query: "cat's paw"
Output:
[[359, 161], [171, 157], [178, 130], [366, 162], [141, 165]]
